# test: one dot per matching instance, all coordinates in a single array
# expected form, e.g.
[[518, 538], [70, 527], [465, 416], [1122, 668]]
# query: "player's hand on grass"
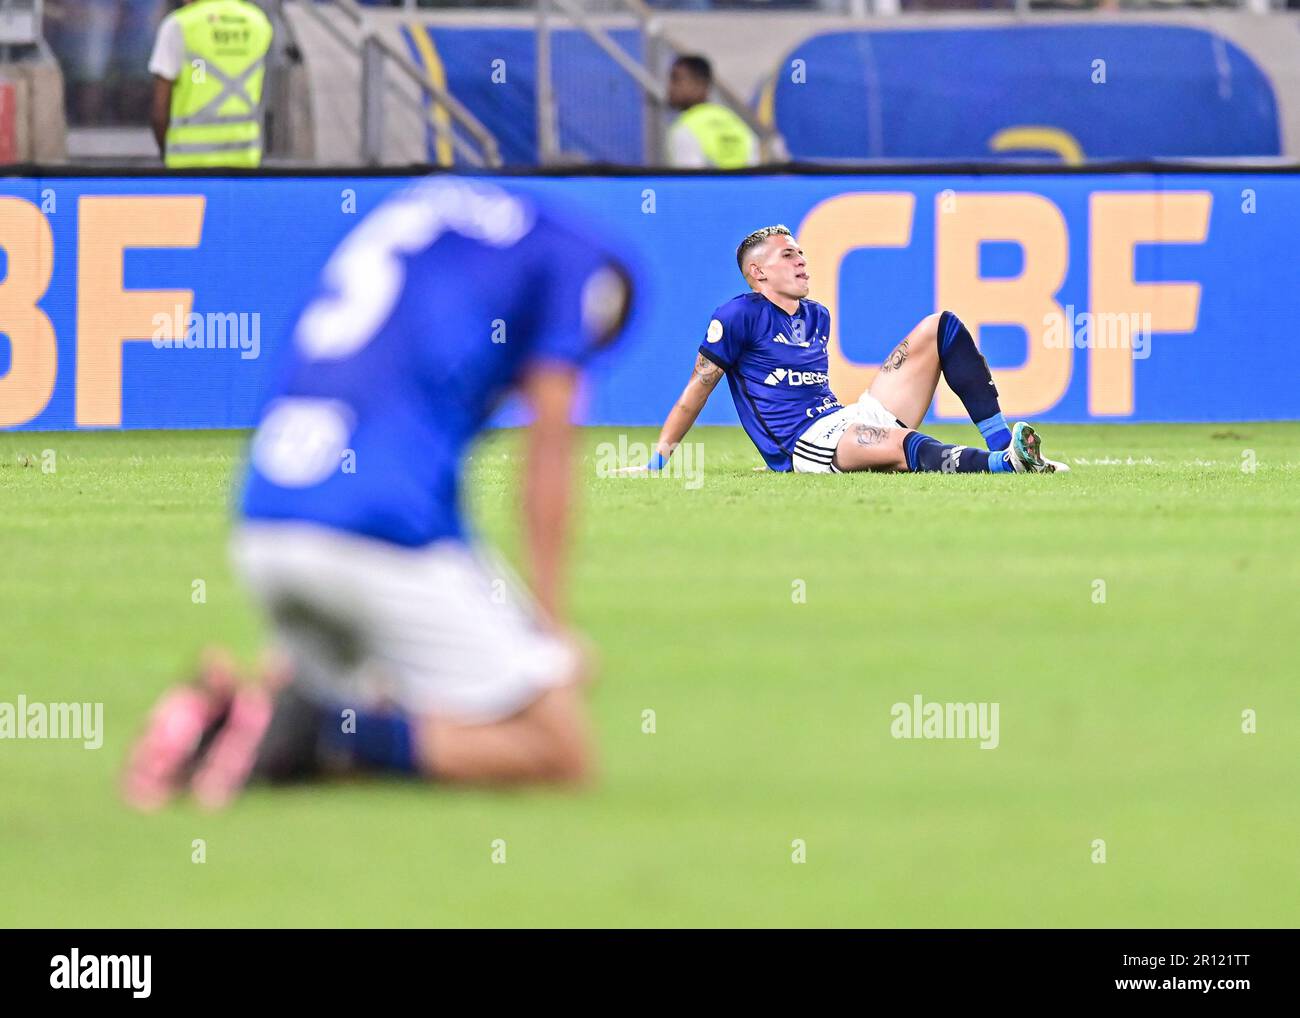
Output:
[[657, 462]]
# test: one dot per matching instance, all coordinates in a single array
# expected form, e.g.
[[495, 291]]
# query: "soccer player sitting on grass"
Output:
[[402, 646], [771, 345]]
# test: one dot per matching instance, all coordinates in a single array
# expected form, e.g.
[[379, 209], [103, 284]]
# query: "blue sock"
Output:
[[995, 431], [967, 373], [380, 741], [926, 454]]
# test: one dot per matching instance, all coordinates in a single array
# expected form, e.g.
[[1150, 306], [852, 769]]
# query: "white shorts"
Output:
[[815, 448], [444, 629]]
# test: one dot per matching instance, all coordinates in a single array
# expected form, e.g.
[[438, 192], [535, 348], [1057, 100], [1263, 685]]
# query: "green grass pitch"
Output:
[[1119, 721]]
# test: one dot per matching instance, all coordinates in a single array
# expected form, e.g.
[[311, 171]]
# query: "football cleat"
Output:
[[180, 726], [225, 769], [1026, 452]]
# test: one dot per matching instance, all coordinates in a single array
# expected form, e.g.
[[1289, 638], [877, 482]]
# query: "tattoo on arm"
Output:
[[706, 372], [865, 434], [895, 360]]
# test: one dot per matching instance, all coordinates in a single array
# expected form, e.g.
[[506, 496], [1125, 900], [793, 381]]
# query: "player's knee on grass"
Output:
[[569, 762], [507, 754], [546, 742], [868, 447], [564, 748]]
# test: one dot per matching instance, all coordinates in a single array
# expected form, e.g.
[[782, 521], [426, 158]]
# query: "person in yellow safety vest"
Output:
[[209, 63], [706, 135]]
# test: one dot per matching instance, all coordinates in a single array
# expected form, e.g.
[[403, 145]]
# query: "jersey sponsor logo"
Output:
[[790, 377], [715, 332], [827, 403]]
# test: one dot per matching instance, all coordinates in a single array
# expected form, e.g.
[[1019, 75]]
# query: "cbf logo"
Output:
[[795, 377]]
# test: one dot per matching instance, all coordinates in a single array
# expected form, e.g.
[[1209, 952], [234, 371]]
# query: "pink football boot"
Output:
[[224, 770], [159, 763]]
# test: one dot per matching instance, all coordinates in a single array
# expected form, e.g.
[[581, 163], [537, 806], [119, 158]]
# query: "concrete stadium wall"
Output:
[[40, 130]]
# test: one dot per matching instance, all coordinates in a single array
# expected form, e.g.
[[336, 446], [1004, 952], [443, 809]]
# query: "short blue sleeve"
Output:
[[726, 336]]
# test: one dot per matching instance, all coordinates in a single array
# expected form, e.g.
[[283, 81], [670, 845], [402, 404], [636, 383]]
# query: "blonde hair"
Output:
[[756, 238]]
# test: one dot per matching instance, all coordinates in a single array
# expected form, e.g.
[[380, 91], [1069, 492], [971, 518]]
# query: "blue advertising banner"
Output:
[[159, 302], [1074, 91]]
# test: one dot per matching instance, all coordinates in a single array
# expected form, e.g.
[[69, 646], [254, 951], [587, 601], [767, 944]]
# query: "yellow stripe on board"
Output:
[[443, 151], [767, 103], [1039, 139]]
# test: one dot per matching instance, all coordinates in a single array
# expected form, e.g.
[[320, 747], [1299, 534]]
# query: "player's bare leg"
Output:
[[941, 346], [866, 447], [906, 381], [548, 741]]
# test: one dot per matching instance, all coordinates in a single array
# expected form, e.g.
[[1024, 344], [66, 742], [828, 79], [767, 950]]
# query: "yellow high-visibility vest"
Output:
[[725, 139], [216, 112]]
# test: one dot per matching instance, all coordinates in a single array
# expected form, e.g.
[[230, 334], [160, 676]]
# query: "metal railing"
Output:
[[657, 42], [377, 55]]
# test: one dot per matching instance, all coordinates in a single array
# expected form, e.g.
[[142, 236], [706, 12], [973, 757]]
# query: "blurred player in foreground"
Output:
[[401, 644], [771, 345]]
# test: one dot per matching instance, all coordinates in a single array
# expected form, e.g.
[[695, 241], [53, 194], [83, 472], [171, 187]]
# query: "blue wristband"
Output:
[[657, 461]]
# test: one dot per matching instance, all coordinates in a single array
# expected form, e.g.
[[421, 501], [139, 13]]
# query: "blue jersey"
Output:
[[777, 368], [427, 315]]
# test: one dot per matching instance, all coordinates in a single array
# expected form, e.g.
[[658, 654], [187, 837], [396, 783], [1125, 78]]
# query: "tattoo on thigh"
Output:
[[895, 360], [865, 434]]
